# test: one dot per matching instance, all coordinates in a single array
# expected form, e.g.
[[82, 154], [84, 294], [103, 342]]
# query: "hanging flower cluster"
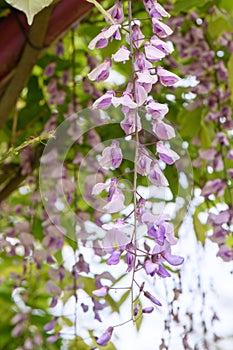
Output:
[[121, 241], [213, 137]]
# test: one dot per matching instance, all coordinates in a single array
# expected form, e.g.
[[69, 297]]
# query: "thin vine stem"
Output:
[[134, 237]]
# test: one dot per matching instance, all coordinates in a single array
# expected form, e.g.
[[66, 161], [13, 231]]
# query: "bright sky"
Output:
[[216, 280]]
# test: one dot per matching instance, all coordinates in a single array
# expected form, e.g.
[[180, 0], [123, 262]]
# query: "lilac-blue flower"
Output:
[[152, 298], [105, 337]]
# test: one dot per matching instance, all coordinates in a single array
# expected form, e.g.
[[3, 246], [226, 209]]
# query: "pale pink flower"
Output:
[[156, 175], [162, 130], [141, 63], [155, 9], [128, 124], [115, 202], [137, 36], [143, 163], [215, 186], [150, 267], [160, 28], [99, 187], [225, 253], [125, 100], [166, 78], [146, 77], [116, 12], [111, 156], [101, 72], [118, 224], [165, 47], [101, 292], [158, 11], [156, 110], [166, 154], [152, 53], [104, 101], [207, 154], [101, 40], [115, 196], [140, 94], [115, 239], [122, 55]]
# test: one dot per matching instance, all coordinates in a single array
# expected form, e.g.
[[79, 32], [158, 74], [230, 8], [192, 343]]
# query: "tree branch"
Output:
[[29, 58], [18, 178]]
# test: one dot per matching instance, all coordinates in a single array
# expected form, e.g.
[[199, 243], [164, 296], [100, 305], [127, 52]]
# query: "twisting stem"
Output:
[[75, 261], [134, 238]]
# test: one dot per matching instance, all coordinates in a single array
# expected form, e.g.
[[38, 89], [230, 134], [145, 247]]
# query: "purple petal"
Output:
[[105, 101], [129, 261], [115, 239], [84, 307], [50, 325], [163, 130], [160, 28], [152, 298], [157, 233], [147, 310], [101, 292], [102, 38], [152, 53], [156, 175], [128, 124], [114, 258], [105, 337], [216, 186], [161, 45], [53, 302], [157, 110], [167, 78], [150, 267], [166, 154], [101, 72], [53, 338], [125, 100], [144, 163], [116, 203], [122, 55], [111, 156], [162, 272], [173, 259], [116, 12]]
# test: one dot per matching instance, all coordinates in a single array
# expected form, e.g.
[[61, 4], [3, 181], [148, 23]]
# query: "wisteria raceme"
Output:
[[121, 240], [212, 97]]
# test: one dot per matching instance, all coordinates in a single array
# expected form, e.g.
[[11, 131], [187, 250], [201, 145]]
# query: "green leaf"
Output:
[[230, 75], [227, 5], [217, 26], [190, 122], [185, 6], [124, 298], [229, 241], [29, 7], [199, 228], [204, 136]]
